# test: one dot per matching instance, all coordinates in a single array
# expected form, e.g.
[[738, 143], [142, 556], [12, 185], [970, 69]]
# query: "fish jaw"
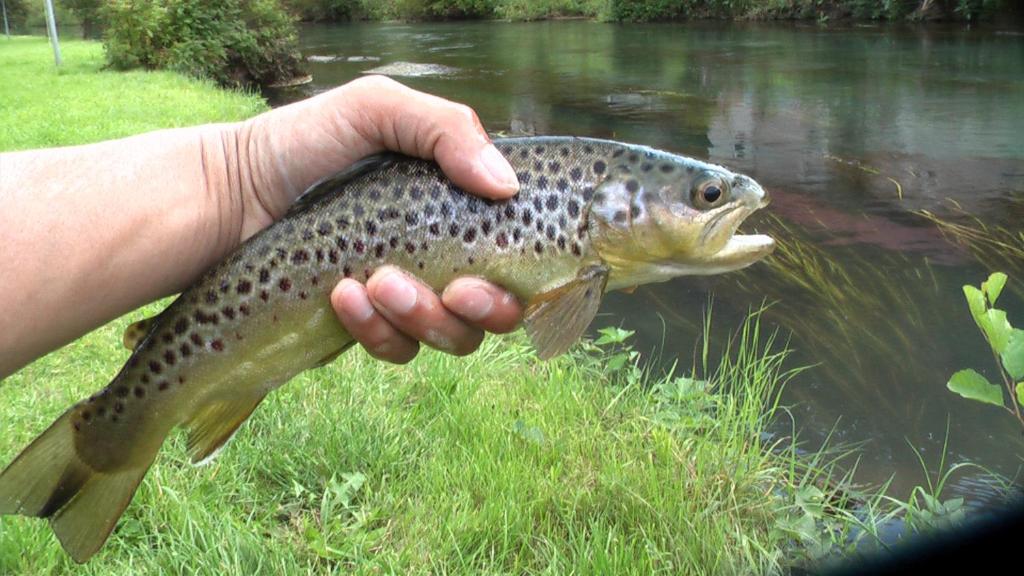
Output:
[[740, 251]]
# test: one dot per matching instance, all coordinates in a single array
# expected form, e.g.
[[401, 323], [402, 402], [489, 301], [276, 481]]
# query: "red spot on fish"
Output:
[[196, 339], [217, 345]]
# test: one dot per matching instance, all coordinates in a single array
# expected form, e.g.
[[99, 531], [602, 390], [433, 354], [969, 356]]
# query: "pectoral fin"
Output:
[[555, 320]]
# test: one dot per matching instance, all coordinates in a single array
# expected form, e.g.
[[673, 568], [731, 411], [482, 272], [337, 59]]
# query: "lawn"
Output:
[[496, 463]]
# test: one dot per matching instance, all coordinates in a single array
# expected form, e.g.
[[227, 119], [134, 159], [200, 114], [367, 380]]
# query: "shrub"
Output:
[[235, 42]]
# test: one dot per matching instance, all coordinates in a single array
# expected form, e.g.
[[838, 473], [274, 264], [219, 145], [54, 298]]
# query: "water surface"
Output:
[[852, 130]]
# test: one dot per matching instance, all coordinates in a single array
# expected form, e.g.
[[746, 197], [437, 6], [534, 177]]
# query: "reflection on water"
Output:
[[865, 137]]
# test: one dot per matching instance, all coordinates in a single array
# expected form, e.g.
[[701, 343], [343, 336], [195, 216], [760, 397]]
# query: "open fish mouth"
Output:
[[741, 251]]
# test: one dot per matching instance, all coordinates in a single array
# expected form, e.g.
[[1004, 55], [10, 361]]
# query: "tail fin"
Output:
[[49, 480]]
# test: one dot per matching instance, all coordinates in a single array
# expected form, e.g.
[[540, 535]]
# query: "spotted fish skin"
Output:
[[263, 315]]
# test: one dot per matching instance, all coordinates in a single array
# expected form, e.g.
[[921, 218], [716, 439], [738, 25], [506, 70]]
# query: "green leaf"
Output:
[[994, 286], [1013, 355], [974, 386], [997, 329], [1020, 392], [975, 300]]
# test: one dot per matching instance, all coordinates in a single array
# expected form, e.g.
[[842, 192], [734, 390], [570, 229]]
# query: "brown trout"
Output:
[[591, 216]]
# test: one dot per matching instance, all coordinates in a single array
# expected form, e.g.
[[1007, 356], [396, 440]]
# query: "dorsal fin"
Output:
[[330, 184], [136, 331]]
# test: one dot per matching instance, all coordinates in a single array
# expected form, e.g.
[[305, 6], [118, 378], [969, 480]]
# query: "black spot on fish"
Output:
[[588, 149], [632, 186], [538, 247], [574, 208], [307, 234], [538, 166], [564, 151], [538, 150], [359, 247], [453, 230], [375, 194], [510, 211], [527, 217], [163, 385], [244, 287], [646, 166], [264, 275], [397, 192], [524, 153], [302, 296], [86, 415], [393, 242], [551, 203], [346, 271], [620, 216], [155, 367], [300, 257], [550, 231], [634, 210], [319, 255], [140, 392], [434, 229], [196, 339], [562, 184], [371, 227], [170, 357], [588, 193], [378, 250], [389, 213], [264, 295], [618, 152], [575, 174], [517, 234], [501, 240], [561, 242], [554, 166], [145, 378], [167, 337], [576, 251], [324, 228], [446, 209], [410, 247], [524, 178], [412, 218], [415, 193], [420, 265], [599, 197], [689, 169], [538, 204], [342, 243], [228, 312], [485, 227], [469, 235], [211, 297], [343, 223], [599, 167], [633, 158], [204, 318], [285, 284], [244, 309], [332, 256], [542, 182], [217, 345], [185, 350]]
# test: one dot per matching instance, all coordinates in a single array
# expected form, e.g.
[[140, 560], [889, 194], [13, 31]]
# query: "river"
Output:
[[854, 130]]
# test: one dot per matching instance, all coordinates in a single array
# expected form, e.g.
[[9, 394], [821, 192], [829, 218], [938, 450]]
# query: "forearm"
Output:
[[91, 232]]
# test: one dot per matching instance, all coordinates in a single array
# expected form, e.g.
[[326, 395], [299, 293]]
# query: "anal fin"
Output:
[[215, 424], [555, 320]]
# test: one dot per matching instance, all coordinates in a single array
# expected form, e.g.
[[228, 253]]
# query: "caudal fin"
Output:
[[49, 480]]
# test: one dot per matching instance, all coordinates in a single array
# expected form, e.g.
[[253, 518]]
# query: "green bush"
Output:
[[235, 42], [326, 10]]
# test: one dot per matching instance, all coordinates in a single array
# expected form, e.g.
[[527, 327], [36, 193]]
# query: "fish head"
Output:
[[656, 216]]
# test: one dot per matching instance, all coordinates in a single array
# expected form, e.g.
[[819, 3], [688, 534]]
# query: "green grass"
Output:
[[81, 102], [496, 463]]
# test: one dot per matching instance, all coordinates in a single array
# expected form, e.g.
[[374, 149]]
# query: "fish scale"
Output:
[[590, 215]]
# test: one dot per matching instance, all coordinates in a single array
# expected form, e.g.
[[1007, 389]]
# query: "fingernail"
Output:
[[474, 303], [499, 168], [396, 293], [356, 304]]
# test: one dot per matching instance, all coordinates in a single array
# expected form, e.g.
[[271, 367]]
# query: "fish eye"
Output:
[[709, 194]]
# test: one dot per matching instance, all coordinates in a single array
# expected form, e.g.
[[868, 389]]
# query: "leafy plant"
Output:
[[1006, 343]]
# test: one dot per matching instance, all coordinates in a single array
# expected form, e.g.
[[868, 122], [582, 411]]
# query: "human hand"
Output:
[[292, 147]]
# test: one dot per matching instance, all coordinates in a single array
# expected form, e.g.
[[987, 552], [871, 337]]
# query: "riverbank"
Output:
[[654, 10], [493, 463]]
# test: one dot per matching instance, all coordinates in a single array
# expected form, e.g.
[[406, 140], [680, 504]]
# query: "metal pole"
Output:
[[51, 25], [7, 31]]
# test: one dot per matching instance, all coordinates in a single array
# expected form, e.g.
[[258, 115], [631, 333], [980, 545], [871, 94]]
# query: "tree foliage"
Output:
[[235, 42]]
